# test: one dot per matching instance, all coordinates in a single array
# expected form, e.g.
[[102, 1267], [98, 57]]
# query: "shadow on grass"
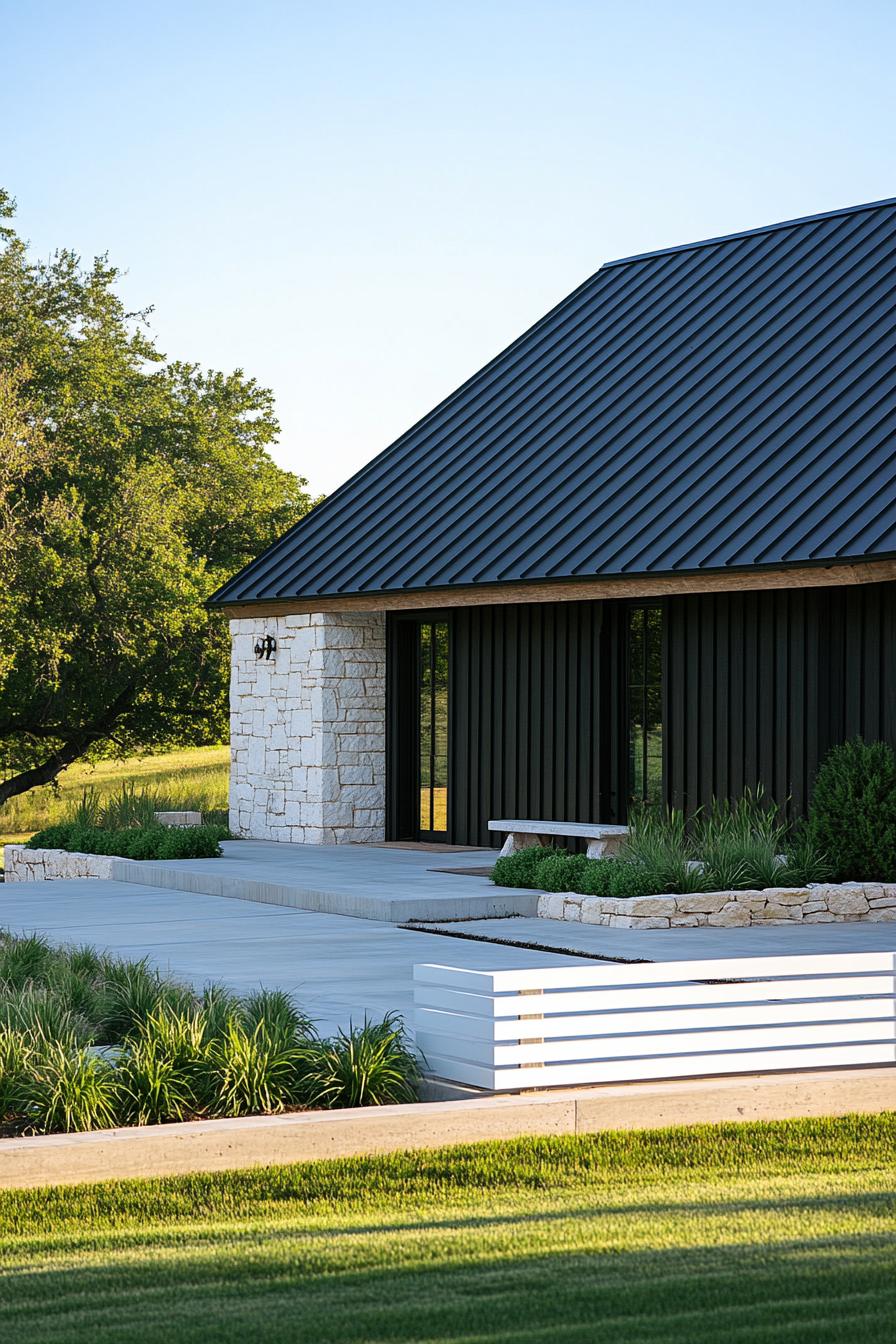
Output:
[[825, 1287]]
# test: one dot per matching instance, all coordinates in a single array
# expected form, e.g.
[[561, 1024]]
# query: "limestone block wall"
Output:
[[821, 904], [308, 729], [38, 865]]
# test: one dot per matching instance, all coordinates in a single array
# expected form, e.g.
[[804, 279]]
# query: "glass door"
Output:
[[432, 735]]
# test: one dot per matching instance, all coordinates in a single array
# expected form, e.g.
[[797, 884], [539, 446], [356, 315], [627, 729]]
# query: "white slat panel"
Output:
[[693, 1042], [652, 996], [652, 973], [464, 1071], [601, 1025], [840, 1013], [580, 1075], [439, 1045], [686, 1016], [455, 1000], [760, 1061], [635, 1048]]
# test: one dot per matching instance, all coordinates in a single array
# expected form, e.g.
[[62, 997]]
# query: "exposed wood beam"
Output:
[[579, 590]]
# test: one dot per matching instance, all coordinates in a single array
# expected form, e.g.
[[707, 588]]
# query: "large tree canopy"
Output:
[[130, 488]]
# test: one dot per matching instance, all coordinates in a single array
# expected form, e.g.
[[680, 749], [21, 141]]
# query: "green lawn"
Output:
[[196, 777], [780, 1232]]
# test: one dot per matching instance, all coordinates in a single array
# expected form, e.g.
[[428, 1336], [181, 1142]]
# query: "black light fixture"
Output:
[[265, 647]]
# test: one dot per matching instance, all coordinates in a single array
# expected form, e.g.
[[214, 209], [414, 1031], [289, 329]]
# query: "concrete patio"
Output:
[[342, 967], [339, 968]]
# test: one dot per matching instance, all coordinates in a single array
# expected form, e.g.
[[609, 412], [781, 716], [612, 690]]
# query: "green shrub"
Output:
[[148, 842], [371, 1065], [52, 837], [628, 878], [852, 816], [190, 842], [594, 878], [519, 870], [560, 872]]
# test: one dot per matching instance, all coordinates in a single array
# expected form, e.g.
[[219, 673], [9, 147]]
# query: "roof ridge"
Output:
[[750, 233]]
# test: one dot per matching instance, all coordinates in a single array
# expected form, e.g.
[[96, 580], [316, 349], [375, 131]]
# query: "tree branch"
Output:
[[77, 744]]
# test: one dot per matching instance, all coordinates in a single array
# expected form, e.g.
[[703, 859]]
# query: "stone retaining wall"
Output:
[[37, 865], [819, 904]]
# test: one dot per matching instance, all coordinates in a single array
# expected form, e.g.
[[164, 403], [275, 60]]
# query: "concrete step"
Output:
[[390, 886]]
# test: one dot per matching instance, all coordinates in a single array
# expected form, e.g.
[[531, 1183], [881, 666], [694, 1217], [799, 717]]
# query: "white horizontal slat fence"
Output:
[[562, 1026]]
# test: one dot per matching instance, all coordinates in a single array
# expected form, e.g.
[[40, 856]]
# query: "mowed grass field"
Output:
[[192, 778], [764, 1232]]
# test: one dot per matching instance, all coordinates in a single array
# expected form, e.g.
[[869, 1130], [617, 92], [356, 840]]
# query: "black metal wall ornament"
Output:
[[265, 647]]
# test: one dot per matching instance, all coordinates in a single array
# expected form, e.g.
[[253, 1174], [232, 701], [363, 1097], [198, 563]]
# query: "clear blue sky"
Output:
[[361, 203]]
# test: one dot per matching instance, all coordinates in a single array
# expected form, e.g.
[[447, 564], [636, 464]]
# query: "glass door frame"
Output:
[[403, 745], [650, 686], [432, 683]]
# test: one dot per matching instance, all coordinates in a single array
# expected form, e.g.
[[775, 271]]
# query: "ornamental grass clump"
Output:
[[370, 1065], [66, 1088], [88, 1041], [659, 843], [163, 1071], [740, 844], [255, 1071]]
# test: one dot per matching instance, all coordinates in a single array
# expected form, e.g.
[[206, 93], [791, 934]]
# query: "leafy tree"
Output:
[[130, 488]]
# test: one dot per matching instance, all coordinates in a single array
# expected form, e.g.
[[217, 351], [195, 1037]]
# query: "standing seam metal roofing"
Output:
[[723, 404]]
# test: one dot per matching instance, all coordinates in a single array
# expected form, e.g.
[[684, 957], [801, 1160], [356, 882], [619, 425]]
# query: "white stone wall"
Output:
[[308, 729], [821, 904], [38, 865]]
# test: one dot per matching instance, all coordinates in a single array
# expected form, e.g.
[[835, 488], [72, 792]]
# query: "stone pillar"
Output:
[[308, 729]]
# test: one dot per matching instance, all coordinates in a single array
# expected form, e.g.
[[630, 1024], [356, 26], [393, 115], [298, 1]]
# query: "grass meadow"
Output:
[[193, 778], [742, 1233]]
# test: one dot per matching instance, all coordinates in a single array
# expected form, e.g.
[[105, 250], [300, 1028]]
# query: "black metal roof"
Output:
[[724, 404]]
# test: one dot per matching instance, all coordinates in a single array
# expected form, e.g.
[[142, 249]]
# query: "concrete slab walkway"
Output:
[[366, 881], [339, 968]]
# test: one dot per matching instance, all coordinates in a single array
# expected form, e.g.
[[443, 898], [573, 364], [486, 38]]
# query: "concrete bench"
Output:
[[602, 840], [181, 819]]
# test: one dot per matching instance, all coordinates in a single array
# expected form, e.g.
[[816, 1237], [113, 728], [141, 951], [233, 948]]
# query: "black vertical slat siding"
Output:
[[809, 668], [757, 687]]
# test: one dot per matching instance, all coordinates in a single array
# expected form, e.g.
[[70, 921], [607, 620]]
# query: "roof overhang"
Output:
[[577, 590]]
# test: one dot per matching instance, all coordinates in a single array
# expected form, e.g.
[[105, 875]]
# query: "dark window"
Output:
[[645, 703]]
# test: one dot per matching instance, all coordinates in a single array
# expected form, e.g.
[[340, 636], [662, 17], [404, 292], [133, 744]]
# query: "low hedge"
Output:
[[135, 842], [544, 869]]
